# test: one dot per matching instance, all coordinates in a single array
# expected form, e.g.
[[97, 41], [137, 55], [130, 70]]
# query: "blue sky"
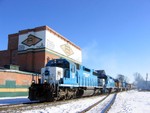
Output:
[[114, 35]]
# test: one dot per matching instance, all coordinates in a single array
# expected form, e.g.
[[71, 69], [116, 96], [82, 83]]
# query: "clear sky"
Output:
[[114, 35]]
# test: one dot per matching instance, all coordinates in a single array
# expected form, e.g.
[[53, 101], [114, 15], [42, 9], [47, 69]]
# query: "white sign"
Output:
[[31, 40], [62, 46]]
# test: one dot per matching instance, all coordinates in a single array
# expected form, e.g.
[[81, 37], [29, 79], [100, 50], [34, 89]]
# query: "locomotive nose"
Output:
[[47, 76], [47, 72]]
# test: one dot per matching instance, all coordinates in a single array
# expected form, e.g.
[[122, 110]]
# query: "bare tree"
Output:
[[138, 77], [126, 79], [139, 81], [120, 77]]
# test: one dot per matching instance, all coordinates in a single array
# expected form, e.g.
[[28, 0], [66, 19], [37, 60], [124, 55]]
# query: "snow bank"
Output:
[[13, 100], [131, 102]]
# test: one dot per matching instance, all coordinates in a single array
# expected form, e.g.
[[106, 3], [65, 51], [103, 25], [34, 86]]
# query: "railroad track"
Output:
[[108, 106], [13, 108], [35, 106], [102, 108], [32, 105]]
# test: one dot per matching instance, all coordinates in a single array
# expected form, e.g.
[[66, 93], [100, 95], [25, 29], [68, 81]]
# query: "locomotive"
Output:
[[64, 79]]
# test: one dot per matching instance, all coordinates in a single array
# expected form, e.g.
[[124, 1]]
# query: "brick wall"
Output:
[[13, 41], [4, 58], [50, 56], [31, 61], [10, 56], [21, 79], [39, 61]]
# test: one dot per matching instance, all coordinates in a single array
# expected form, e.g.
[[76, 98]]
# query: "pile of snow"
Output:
[[131, 102], [13, 100]]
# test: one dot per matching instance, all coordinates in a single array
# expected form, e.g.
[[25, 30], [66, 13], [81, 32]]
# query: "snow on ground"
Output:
[[126, 102], [131, 102], [71, 107], [13, 100]]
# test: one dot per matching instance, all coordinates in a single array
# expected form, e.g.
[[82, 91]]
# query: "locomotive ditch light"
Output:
[[33, 81], [39, 80]]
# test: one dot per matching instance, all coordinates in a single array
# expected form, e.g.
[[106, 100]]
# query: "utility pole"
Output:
[[146, 80]]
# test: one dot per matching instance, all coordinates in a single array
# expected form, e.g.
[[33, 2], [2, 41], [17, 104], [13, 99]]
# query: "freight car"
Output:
[[122, 85], [63, 79]]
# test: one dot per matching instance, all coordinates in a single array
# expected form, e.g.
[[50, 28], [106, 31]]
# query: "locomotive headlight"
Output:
[[33, 81], [47, 73], [39, 77], [45, 81]]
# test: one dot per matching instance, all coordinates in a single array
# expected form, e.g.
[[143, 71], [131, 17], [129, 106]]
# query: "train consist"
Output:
[[63, 79]]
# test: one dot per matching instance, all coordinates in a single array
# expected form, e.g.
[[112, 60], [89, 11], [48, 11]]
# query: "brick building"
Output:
[[31, 49]]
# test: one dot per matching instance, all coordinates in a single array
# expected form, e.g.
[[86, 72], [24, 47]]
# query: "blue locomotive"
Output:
[[63, 79]]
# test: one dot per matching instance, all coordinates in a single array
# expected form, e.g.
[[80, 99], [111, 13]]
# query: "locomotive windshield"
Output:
[[58, 63]]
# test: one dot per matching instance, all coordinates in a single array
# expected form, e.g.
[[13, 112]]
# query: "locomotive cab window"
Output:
[[58, 63], [73, 68], [95, 73], [86, 69], [78, 66]]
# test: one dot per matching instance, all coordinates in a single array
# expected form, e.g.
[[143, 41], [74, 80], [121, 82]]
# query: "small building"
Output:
[[29, 50]]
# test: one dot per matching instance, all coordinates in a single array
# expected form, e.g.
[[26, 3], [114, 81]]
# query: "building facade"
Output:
[[31, 49]]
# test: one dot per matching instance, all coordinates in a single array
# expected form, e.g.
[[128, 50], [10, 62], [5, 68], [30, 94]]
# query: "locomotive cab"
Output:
[[52, 76], [60, 72]]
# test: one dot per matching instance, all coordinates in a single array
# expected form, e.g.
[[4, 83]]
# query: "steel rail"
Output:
[[109, 104], [93, 105]]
